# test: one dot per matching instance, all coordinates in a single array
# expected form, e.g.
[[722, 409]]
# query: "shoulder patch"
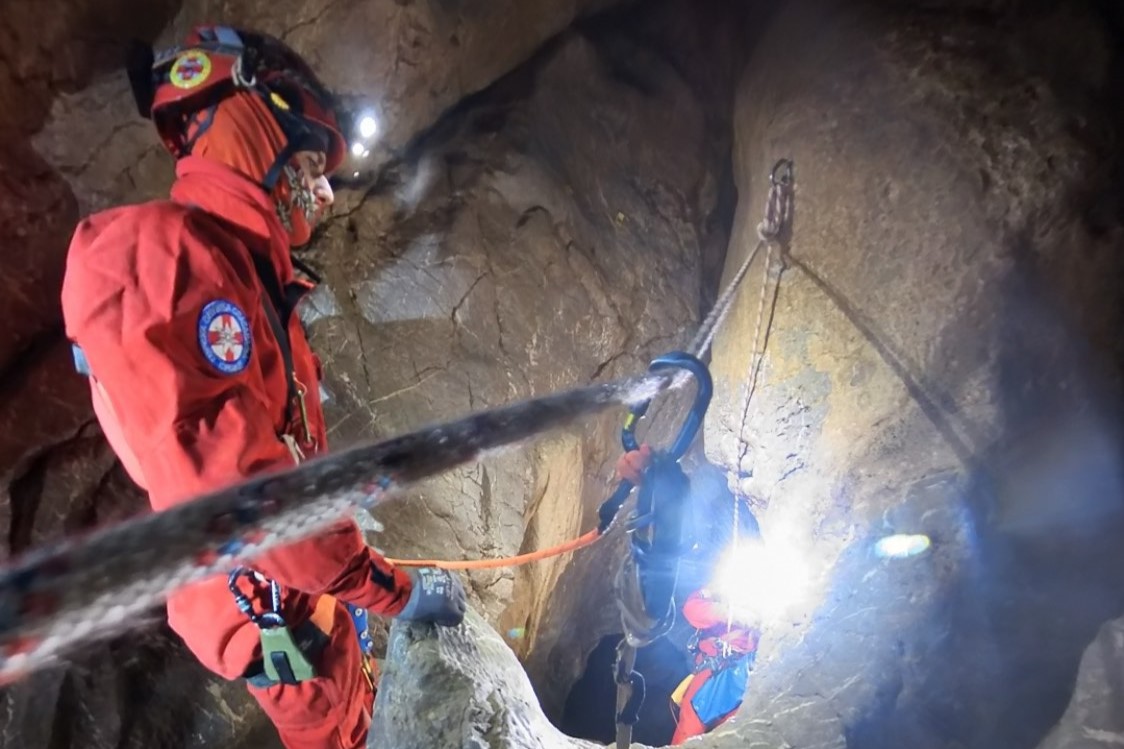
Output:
[[224, 336]]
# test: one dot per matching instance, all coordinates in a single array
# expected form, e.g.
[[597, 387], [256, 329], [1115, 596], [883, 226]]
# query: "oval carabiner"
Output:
[[782, 173], [690, 428]]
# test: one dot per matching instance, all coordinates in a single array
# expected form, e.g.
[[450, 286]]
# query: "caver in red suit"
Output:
[[722, 647], [181, 313]]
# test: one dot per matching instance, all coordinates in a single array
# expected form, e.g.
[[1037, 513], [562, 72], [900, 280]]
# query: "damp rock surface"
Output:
[[458, 687], [936, 351], [1093, 718], [549, 231], [933, 352]]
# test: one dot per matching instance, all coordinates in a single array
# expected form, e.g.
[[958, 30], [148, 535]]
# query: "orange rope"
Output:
[[487, 564]]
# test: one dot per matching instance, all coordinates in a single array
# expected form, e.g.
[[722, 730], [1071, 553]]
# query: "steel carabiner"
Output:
[[691, 424], [782, 173]]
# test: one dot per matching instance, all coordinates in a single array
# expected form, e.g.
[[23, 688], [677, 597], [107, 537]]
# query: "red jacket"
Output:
[[190, 387]]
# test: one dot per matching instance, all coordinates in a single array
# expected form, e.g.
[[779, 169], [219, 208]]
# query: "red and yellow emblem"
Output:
[[190, 69]]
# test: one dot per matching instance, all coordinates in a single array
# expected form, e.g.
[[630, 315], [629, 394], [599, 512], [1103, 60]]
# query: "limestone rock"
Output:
[[405, 61], [92, 703], [940, 360], [1094, 718], [542, 235], [458, 687], [545, 236]]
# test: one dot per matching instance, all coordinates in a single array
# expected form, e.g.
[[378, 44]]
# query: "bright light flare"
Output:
[[368, 126], [357, 149], [761, 580], [902, 546]]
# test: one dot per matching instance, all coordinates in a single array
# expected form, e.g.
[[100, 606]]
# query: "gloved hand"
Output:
[[631, 465], [436, 596]]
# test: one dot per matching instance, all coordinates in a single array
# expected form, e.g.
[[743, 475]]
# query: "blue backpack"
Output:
[[722, 693]]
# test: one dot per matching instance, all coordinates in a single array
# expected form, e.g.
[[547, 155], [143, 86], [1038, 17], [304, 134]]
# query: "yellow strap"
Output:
[[677, 695]]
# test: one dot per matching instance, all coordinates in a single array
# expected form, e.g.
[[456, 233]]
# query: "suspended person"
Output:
[[181, 314], [724, 645]]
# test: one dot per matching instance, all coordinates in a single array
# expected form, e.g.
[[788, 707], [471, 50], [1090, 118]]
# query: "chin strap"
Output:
[[269, 181], [298, 134]]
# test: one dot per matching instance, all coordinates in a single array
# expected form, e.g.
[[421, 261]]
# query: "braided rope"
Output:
[[778, 214], [721, 308], [84, 589]]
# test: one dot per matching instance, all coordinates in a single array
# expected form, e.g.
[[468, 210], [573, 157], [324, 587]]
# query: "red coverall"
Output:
[[706, 615], [138, 282]]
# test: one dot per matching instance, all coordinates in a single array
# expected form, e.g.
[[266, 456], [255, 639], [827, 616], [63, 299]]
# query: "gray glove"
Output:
[[437, 596]]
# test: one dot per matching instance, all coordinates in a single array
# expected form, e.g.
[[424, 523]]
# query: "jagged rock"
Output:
[[542, 236], [458, 687], [407, 61], [93, 702], [942, 359], [546, 235], [944, 355], [1094, 719]]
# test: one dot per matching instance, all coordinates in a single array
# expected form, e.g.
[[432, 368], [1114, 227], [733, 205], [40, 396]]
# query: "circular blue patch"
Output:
[[224, 336]]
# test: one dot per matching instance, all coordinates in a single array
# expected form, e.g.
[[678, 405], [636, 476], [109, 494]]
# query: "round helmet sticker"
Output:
[[190, 69], [224, 336]]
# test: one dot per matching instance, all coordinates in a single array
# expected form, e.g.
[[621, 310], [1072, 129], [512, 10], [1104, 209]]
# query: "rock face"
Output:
[[405, 61], [1093, 718], [547, 235], [460, 687], [543, 234], [939, 358], [446, 688]]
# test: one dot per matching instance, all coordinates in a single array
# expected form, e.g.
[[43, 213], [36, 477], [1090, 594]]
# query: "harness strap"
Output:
[[278, 312], [304, 268], [201, 125], [630, 693], [283, 158]]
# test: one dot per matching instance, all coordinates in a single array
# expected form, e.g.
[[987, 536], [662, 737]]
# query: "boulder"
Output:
[[938, 359], [458, 687], [1093, 718]]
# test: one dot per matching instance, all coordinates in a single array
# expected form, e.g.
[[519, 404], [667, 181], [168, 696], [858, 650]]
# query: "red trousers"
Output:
[[689, 723], [331, 711]]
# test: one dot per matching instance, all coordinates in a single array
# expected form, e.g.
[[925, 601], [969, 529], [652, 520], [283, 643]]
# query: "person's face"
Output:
[[311, 166]]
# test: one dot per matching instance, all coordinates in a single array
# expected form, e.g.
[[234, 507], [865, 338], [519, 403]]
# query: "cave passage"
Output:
[[591, 706]]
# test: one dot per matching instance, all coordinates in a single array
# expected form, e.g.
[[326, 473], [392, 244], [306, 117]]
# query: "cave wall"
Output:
[[1093, 717], [942, 356], [503, 241], [549, 234], [942, 359]]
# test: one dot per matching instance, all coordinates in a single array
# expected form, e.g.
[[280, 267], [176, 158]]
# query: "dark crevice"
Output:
[[24, 492], [16, 371], [591, 705], [26, 489]]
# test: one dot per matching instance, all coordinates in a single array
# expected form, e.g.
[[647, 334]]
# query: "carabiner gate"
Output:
[[782, 173], [690, 428]]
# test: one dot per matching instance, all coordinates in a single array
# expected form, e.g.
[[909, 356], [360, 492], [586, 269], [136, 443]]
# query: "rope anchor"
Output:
[[778, 206], [781, 176]]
